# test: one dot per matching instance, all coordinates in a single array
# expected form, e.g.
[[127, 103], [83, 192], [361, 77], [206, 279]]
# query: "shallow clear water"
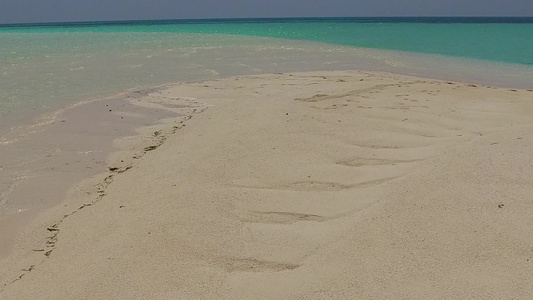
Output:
[[45, 66]]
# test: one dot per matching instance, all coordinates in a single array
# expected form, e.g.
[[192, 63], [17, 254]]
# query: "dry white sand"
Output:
[[328, 185]]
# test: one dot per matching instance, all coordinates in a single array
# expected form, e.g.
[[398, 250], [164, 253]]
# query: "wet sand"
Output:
[[320, 185], [40, 162]]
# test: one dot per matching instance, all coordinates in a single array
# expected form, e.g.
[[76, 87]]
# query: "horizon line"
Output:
[[119, 21]]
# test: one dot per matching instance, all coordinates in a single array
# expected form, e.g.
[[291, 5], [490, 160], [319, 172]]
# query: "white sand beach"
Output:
[[316, 185]]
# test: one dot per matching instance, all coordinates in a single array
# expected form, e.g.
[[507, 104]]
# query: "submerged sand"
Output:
[[326, 185]]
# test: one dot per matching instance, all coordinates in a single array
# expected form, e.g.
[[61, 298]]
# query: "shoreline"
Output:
[[35, 119], [401, 137], [296, 55]]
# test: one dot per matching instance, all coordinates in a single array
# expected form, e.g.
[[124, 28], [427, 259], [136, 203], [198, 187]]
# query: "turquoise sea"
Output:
[[46, 66]]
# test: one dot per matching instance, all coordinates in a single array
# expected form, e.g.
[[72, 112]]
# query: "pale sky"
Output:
[[24, 11]]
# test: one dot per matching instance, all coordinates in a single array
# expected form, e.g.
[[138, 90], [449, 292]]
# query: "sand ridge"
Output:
[[321, 185]]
